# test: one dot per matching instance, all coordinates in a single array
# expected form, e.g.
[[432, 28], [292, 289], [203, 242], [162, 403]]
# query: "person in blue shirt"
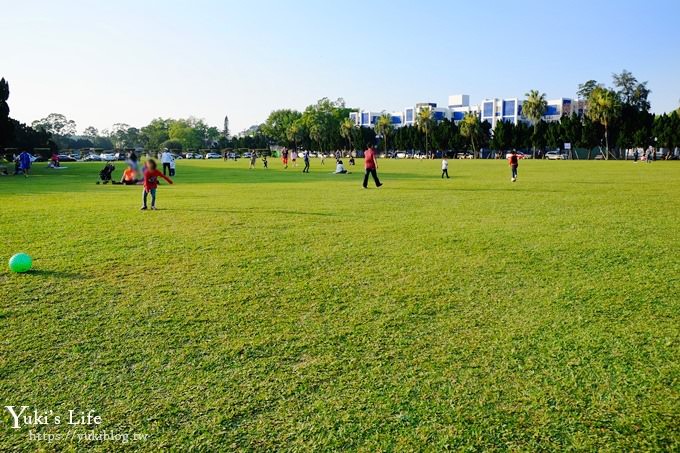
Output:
[[24, 163]]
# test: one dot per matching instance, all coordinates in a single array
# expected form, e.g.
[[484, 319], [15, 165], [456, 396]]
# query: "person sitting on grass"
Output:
[[351, 160], [340, 168], [151, 175], [129, 177]]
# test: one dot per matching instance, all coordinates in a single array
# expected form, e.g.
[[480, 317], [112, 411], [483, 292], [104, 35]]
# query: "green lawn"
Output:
[[267, 309]]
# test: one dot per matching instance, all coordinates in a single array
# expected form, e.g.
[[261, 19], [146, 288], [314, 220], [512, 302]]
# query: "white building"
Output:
[[491, 110]]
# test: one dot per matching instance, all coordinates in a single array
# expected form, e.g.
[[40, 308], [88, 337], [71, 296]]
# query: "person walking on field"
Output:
[[305, 158], [513, 161], [371, 167], [24, 161], [284, 157], [445, 167], [166, 158], [151, 175]]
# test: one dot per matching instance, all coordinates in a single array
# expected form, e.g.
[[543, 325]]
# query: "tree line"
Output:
[[616, 118]]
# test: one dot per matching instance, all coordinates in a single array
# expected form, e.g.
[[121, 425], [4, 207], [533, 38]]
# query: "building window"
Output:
[[508, 108], [488, 109]]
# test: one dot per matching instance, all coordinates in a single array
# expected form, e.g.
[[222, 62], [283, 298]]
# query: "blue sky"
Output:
[[105, 62]]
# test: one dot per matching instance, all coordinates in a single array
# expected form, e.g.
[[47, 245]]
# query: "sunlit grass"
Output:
[[271, 309]]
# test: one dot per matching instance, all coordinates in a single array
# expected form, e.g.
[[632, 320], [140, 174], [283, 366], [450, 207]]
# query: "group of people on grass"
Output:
[[647, 155], [147, 177]]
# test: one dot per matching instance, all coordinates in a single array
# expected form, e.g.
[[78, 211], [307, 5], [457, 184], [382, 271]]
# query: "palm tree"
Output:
[[534, 108], [471, 128], [346, 129], [294, 132], [384, 126], [424, 124], [603, 107]]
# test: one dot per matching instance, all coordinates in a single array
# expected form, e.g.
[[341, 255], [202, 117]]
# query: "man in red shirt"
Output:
[[371, 166]]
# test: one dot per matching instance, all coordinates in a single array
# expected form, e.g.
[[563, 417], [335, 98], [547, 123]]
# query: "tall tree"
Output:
[[346, 131], [630, 91], [534, 107], [471, 128], [424, 124], [5, 125], [603, 108], [584, 89], [384, 127], [56, 124], [277, 124]]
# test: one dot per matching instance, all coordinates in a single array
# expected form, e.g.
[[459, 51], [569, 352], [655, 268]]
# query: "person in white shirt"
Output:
[[172, 166], [340, 168], [445, 167], [166, 159]]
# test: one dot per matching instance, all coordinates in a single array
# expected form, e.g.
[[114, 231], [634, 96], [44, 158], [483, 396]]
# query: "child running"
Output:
[[151, 175]]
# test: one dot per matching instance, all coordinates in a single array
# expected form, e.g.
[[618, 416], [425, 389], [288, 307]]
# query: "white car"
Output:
[[108, 157], [213, 156], [555, 155]]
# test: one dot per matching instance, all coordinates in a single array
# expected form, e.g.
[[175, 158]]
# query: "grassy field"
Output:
[[268, 309]]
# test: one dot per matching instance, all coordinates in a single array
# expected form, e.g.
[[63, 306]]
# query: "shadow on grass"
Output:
[[55, 274], [251, 210]]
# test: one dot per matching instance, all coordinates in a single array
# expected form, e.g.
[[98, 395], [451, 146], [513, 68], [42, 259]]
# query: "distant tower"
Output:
[[225, 131]]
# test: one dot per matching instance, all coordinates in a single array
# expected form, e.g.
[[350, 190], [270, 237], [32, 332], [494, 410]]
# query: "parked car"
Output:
[[213, 156], [92, 158], [233, 156], [108, 157], [246, 155], [66, 158], [519, 155], [555, 155]]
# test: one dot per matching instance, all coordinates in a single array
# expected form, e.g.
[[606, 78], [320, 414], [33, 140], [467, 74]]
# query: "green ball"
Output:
[[20, 263]]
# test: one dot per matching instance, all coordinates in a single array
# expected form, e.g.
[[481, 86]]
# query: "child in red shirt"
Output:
[[151, 175]]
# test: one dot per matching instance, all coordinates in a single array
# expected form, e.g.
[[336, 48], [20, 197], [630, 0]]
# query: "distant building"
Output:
[[491, 110]]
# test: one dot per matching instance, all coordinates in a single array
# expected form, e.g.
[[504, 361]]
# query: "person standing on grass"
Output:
[[166, 158], [284, 158], [253, 160], [151, 175], [636, 155], [305, 158], [24, 160], [133, 160], [264, 162], [172, 167], [293, 157], [513, 161], [323, 159], [371, 167], [445, 167]]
